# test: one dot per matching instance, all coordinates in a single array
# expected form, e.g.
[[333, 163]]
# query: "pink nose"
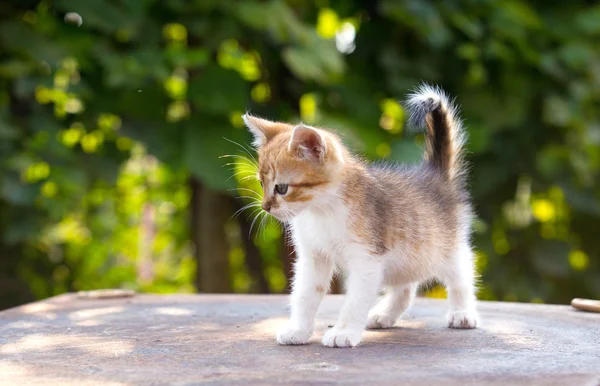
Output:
[[266, 206]]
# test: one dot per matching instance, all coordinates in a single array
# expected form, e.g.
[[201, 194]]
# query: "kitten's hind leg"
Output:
[[396, 300], [460, 285]]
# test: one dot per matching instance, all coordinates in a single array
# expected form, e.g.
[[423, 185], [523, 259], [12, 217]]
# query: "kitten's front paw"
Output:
[[342, 337], [462, 319], [292, 335], [377, 321]]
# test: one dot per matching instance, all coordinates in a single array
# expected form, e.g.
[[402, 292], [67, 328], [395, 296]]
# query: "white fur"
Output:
[[397, 299], [259, 137], [323, 242]]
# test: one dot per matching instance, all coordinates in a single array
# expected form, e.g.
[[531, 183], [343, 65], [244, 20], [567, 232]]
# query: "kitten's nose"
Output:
[[266, 206]]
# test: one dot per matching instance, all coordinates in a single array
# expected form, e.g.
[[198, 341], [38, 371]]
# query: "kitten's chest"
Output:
[[326, 231]]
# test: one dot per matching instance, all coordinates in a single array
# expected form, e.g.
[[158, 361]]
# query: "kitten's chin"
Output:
[[283, 217]]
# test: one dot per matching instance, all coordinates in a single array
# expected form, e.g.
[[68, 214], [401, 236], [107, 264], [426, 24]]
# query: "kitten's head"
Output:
[[299, 166]]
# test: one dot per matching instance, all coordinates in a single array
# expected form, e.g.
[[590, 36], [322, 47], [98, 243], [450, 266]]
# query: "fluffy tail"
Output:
[[430, 107]]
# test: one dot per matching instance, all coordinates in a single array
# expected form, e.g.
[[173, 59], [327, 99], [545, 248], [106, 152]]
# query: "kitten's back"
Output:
[[425, 206]]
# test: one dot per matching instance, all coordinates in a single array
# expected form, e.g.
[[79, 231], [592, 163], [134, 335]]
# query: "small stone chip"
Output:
[[586, 304], [106, 294]]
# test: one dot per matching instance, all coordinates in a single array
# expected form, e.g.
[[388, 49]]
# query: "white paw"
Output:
[[380, 321], [292, 335], [463, 319], [342, 337]]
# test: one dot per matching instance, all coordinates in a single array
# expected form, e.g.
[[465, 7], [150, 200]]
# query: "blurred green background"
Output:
[[111, 132]]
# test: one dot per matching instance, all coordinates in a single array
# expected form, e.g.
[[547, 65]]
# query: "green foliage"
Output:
[[103, 124]]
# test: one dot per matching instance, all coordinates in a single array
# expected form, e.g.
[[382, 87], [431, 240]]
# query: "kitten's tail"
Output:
[[430, 107]]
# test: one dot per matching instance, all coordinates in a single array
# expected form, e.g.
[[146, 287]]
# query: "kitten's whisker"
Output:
[[253, 221], [255, 212], [237, 174], [242, 156], [241, 164], [242, 169], [235, 170], [254, 199], [248, 151], [250, 161], [239, 158], [250, 205], [258, 195], [242, 147], [243, 179], [262, 222]]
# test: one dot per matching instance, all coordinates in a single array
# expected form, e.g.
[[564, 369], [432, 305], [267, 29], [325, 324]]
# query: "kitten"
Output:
[[383, 226]]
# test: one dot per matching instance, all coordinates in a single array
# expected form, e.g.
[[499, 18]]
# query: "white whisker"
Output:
[[237, 174], [245, 164], [247, 190], [242, 147], [262, 223], [250, 205], [250, 177], [254, 199], [253, 221]]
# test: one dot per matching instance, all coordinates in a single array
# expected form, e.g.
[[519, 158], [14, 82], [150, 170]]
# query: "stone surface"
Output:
[[228, 339]]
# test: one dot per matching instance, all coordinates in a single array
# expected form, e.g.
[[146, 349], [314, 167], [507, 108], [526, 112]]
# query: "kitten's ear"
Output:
[[262, 130], [309, 143]]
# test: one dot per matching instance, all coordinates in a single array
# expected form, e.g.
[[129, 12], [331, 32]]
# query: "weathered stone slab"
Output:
[[229, 339]]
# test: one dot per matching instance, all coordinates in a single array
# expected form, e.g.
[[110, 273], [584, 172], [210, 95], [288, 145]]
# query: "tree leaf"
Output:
[[218, 91]]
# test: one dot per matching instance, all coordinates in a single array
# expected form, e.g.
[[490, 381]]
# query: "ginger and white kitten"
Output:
[[383, 227]]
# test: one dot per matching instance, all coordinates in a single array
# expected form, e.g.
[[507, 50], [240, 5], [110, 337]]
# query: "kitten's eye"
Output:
[[281, 189]]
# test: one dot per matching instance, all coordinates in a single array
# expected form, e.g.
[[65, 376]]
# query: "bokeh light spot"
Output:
[[328, 23], [578, 260], [261, 93], [543, 210], [308, 108]]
